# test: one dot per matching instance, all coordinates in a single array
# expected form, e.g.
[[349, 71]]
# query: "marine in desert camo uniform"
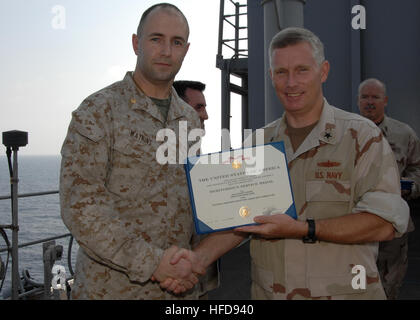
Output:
[[125, 209], [122, 206]]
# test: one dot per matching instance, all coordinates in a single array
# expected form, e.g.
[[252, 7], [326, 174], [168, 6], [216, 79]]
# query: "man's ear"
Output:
[[135, 42], [271, 77], [325, 70]]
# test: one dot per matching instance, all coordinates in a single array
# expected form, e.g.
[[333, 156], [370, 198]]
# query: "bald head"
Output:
[[167, 7], [374, 82]]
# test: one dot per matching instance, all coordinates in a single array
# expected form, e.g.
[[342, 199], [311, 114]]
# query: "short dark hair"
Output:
[[182, 85], [162, 5]]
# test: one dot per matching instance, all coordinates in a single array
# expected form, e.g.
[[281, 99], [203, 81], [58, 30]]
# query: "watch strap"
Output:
[[310, 237]]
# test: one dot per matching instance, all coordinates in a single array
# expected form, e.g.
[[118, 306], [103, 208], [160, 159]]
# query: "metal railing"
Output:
[[51, 253], [13, 140], [26, 195]]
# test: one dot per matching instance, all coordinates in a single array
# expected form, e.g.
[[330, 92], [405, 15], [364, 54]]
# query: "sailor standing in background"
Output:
[[392, 258], [192, 92]]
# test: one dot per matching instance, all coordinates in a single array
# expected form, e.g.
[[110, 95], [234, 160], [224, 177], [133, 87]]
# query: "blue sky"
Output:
[[46, 72]]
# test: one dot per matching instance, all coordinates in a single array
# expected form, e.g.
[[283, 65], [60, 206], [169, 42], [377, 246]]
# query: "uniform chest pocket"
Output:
[[134, 169], [327, 199], [327, 190], [135, 149]]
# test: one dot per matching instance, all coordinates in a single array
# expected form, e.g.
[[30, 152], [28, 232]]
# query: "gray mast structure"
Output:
[[259, 102]]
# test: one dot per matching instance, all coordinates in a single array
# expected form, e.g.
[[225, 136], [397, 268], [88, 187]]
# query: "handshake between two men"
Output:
[[179, 268]]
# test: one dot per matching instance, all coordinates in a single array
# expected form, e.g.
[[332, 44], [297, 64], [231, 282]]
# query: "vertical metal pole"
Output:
[[225, 117], [245, 120], [15, 228], [236, 30], [47, 257], [356, 60], [221, 18], [224, 67]]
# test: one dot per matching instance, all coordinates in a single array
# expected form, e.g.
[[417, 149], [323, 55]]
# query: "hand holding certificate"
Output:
[[234, 191]]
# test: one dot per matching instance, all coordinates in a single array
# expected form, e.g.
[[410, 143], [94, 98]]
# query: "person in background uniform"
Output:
[[128, 212], [345, 183], [192, 93], [392, 258]]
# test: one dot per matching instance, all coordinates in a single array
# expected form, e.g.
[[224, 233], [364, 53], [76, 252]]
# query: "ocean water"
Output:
[[39, 217]]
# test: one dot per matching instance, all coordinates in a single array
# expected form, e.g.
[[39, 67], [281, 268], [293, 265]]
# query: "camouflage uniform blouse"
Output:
[[406, 146], [122, 206], [343, 166]]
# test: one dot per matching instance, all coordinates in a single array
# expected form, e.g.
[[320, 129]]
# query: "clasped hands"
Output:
[[178, 270]]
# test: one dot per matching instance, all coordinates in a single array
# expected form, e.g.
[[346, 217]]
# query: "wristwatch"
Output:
[[310, 237]]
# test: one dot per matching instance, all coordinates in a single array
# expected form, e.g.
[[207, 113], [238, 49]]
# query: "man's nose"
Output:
[[370, 101], [204, 115], [166, 48], [291, 80]]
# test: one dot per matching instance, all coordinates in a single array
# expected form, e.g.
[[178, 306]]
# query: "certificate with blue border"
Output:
[[228, 189]]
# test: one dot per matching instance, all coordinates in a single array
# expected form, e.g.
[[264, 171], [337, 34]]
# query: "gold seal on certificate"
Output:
[[244, 212], [229, 189], [236, 164]]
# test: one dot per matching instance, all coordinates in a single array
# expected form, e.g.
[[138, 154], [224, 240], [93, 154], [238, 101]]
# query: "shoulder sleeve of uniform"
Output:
[[390, 207], [412, 171], [376, 175]]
